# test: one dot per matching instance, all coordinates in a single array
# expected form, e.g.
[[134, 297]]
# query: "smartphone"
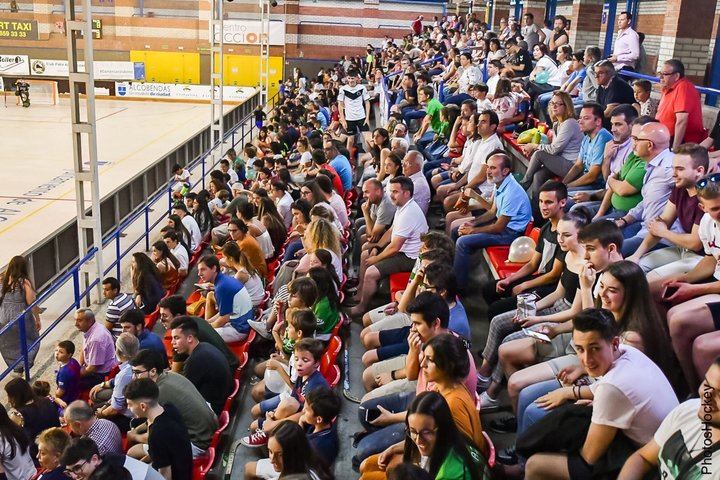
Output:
[[371, 414], [670, 291], [538, 335]]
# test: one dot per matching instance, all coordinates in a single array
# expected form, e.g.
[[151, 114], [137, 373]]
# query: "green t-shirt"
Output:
[[288, 344], [454, 467], [433, 109], [327, 317], [633, 172]]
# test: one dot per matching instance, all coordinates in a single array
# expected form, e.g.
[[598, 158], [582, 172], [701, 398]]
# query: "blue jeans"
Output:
[[457, 99], [543, 100], [528, 412], [469, 244], [292, 248], [631, 240], [424, 141], [409, 114], [379, 439]]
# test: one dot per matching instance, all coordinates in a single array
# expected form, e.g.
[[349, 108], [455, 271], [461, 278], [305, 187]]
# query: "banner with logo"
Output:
[[179, 91], [247, 32], [103, 70], [14, 65], [18, 29]]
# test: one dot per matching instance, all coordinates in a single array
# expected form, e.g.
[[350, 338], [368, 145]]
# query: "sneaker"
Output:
[[255, 440], [261, 328], [506, 424], [482, 383], [489, 404], [507, 456]]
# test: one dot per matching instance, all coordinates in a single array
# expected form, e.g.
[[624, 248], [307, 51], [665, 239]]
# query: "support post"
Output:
[[217, 72], [264, 50], [84, 139]]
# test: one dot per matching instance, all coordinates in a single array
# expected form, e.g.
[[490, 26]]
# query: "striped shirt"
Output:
[[106, 435], [118, 305]]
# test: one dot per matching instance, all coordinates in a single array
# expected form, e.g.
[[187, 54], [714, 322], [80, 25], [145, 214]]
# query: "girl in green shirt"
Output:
[[327, 306], [433, 441]]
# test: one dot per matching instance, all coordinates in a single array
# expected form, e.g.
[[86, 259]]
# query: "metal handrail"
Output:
[[74, 272], [642, 76]]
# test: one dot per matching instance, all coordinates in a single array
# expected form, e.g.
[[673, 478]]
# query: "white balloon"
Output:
[[521, 250]]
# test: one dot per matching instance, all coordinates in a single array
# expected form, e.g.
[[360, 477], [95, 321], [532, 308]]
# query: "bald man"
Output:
[[652, 146], [412, 168]]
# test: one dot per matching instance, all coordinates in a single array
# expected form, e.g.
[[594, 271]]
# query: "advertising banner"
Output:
[[179, 91], [18, 29], [103, 70], [247, 32], [14, 65]]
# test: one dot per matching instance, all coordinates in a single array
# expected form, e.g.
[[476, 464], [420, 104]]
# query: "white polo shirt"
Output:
[[409, 223]]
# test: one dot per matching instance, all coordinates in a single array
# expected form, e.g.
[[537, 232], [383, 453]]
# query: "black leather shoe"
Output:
[[507, 456], [507, 424]]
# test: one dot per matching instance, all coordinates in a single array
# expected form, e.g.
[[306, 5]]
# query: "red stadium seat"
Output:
[[332, 376], [398, 282], [223, 422], [231, 398], [490, 449], [203, 464], [497, 257]]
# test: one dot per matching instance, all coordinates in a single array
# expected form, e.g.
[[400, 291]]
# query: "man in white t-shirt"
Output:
[[685, 445], [398, 249], [172, 240], [225, 168], [189, 222], [283, 201], [631, 396], [353, 107]]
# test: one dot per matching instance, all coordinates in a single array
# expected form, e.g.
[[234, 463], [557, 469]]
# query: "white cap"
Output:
[[238, 186]]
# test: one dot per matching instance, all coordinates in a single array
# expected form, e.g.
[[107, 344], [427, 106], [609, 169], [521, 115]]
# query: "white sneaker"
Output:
[[489, 404], [261, 328]]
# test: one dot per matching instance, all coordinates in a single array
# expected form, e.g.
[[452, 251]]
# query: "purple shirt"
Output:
[[99, 348]]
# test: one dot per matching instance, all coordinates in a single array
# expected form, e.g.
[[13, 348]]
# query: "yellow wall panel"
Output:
[[169, 67], [244, 70]]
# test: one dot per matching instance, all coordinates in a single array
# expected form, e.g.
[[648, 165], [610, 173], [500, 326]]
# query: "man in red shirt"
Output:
[[417, 25], [680, 109]]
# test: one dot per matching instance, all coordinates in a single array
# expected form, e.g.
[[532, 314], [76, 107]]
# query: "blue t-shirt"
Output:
[[68, 378], [151, 341], [342, 166], [512, 201], [233, 299], [459, 321], [591, 152], [325, 443], [301, 387]]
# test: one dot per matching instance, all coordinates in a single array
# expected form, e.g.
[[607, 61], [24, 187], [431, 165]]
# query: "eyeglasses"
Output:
[[638, 139], [425, 434], [703, 182], [75, 469], [557, 104], [138, 372], [663, 74], [427, 286]]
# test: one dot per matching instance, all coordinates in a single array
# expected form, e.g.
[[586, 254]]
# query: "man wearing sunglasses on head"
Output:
[[694, 320]]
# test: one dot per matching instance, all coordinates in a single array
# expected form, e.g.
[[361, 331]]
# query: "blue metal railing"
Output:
[[74, 272], [711, 93]]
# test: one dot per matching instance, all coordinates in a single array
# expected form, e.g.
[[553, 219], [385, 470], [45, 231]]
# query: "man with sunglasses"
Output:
[[695, 318], [680, 109], [81, 459], [652, 146]]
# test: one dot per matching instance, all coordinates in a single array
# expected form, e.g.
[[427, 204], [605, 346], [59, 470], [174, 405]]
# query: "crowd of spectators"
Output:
[[301, 229]]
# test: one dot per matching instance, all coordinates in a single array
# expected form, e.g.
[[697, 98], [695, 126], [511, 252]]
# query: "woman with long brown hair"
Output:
[[166, 263], [146, 283], [16, 293]]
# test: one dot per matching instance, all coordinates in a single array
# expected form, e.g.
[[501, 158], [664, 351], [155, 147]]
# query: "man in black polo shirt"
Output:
[[612, 90], [520, 63], [205, 366], [168, 439]]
